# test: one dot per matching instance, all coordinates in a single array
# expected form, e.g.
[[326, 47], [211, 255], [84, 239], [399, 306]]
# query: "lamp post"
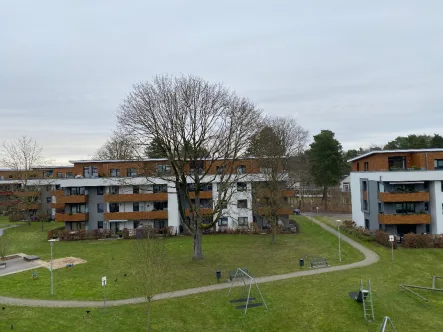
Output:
[[339, 240], [51, 244]]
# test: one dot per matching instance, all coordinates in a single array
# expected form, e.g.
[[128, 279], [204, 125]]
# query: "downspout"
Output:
[[426, 158]]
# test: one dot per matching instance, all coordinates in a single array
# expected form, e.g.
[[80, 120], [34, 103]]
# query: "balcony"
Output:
[[203, 194], [71, 217], [397, 219], [398, 197], [140, 215], [203, 211], [152, 197], [28, 206], [57, 205], [26, 193], [73, 199], [289, 193]]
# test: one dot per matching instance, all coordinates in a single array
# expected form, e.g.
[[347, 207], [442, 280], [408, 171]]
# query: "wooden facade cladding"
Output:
[[154, 197], [203, 194], [203, 212], [398, 219], [64, 217], [282, 211], [140, 215], [73, 199], [421, 196], [26, 193]]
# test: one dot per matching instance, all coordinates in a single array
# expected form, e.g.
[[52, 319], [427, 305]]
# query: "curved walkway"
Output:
[[370, 258]]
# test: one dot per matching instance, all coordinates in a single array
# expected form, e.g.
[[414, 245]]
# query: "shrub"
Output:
[[350, 227], [418, 241], [382, 238]]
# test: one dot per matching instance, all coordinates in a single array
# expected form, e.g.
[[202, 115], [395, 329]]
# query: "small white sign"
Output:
[[103, 281], [391, 238]]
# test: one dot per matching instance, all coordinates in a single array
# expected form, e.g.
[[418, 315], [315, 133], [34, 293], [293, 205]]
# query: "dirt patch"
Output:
[[62, 262]]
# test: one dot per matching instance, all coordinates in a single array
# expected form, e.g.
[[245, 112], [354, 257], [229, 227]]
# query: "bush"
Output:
[[418, 241], [350, 227], [382, 238], [54, 233]]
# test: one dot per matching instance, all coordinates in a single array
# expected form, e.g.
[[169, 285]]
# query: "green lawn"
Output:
[[112, 258], [312, 303]]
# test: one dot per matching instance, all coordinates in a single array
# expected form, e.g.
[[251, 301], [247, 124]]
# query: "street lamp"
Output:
[[51, 244], [339, 239]]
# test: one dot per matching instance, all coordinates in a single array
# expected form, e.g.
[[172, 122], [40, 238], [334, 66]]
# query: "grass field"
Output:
[[312, 303], [112, 258]]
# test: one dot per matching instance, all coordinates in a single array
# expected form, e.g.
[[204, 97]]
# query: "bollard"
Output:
[[302, 263], [218, 275]]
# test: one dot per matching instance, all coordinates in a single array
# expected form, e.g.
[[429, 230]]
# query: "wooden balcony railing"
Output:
[[139, 215], [397, 219], [151, 197], [71, 217], [419, 196]]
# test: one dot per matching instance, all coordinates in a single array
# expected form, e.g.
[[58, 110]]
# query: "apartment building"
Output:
[[113, 194], [399, 191]]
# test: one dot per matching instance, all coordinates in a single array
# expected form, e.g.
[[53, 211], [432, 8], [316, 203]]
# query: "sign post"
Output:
[[339, 239], [391, 239], [104, 291]]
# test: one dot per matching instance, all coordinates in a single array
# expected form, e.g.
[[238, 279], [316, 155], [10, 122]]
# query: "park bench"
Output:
[[31, 258], [318, 262], [2, 264], [232, 274]]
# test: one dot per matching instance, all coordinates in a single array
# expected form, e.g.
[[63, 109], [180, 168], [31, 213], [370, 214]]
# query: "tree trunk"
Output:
[[198, 253], [148, 312], [41, 221], [325, 197], [273, 230]]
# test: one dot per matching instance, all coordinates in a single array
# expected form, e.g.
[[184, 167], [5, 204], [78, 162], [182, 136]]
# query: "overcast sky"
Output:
[[367, 70]]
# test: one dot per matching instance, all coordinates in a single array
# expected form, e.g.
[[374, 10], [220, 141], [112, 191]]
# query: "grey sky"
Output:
[[367, 70]]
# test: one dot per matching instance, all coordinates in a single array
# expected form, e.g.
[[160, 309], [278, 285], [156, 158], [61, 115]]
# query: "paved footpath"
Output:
[[370, 258], [1, 229]]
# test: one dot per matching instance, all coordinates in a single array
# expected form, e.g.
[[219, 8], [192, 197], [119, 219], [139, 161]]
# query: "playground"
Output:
[[318, 302]]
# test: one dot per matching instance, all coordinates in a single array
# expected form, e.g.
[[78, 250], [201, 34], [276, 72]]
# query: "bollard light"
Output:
[[302, 263]]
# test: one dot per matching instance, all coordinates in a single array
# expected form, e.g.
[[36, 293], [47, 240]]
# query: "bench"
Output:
[[318, 262], [31, 258], [232, 273], [2, 264]]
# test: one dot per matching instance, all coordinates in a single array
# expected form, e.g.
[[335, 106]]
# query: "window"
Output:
[[113, 190], [47, 174], [358, 167], [160, 206], [380, 226], [366, 166], [135, 189], [114, 207], [404, 208], [60, 175], [438, 163], [100, 224], [48, 188], [367, 223], [396, 163], [76, 191], [69, 175], [265, 170], [159, 224], [86, 171], [135, 207], [223, 204], [242, 204], [163, 168], [100, 208], [364, 185], [196, 167], [115, 172], [219, 169], [160, 188], [426, 206], [243, 221], [48, 199], [94, 171], [379, 207], [428, 228], [131, 172], [223, 221], [241, 169], [346, 187], [100, 190], [242, 186], [365, 205]]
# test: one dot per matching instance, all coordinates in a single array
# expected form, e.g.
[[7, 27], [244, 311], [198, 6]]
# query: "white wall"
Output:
[[435, 206], [173, 214], [357, 213]]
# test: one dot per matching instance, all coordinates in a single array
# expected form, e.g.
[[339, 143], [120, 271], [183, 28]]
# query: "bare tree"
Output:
[[279, 140], [150, 267], [202, 128], [117, 147], [21, 156]]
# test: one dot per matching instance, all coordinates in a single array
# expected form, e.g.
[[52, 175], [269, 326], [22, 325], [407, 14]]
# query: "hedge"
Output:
[[382, 238], [423, 241]]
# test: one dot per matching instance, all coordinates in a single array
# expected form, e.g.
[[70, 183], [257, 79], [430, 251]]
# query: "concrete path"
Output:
[[370, 258], [1, 229]]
